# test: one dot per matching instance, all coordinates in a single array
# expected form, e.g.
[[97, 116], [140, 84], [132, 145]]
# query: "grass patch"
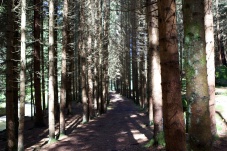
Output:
[[150, 143], [160, 141], [52, 140]]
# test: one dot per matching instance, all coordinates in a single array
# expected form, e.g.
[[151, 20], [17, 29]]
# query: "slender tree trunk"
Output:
[[39, 121], [32, 97], [43, 60], [129, 52], [90, 62], [69, 79], [141, 70], [173, 120], [70, 62], [100, 59], [149, 8], [83, 63], [105, 55], [155, 68], [76, 52], [63, 68], [16, 58], [22, 77], [51, 73], [134, 56], [209, 37], [196, 75], [56, 104], [11, 125]]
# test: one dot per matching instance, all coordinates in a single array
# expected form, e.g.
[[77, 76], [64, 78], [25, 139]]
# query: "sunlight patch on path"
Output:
[[139, 137]]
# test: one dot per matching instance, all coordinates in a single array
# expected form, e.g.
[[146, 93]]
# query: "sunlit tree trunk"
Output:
[[173, 120], [209, 37], [155, 69], [196, 75], [51, 73], [22, 77], [63, 68], [90, 59], [39, 122]]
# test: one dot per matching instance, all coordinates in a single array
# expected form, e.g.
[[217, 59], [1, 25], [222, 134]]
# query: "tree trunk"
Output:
[[173, 120], [22, 77], [196, 76], [11, 105], [42, 59], [134, 57], [56, 104], [51, 73], [63, 67], [16, 58], [209, 37], [83, 56], [155, 69], [39, 121], [105, 55]]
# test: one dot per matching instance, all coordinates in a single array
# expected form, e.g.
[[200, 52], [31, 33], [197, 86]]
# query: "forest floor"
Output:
[[123, 128]]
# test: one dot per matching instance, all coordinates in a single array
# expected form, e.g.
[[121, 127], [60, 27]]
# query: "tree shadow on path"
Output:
[[122, 128]]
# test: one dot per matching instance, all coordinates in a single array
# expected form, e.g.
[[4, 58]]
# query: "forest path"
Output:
[[123, 127]]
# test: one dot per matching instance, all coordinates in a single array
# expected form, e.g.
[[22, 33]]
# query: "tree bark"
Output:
[[209, 37], [155, 69], [63, 67], [22, 77], [11, 84], [56, 104], [82, 45], [43, 60], [196, 75], [134, 56], [39, 121], [51, 73], [173, 120]]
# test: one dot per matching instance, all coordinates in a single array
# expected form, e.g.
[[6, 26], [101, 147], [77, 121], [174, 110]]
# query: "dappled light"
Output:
[[113, 75], [114, 130]]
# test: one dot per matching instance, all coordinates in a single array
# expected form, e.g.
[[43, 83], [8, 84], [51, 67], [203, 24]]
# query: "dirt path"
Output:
[[122, 128]]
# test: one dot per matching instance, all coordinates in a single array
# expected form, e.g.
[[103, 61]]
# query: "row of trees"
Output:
[[78, 50], [82, 51], [180, 47]]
